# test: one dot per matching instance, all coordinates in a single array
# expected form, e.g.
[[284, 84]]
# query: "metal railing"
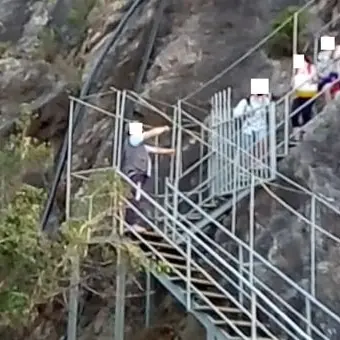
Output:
[[226, 139], [239, 274]]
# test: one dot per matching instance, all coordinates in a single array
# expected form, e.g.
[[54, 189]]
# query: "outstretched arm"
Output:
[[159, 151], [155, 132]]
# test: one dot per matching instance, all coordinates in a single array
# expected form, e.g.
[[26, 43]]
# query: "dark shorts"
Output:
[[131, 217], [303, 112]]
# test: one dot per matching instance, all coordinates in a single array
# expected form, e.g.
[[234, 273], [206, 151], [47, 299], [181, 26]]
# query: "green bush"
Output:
[[281, 44], [35, 271]]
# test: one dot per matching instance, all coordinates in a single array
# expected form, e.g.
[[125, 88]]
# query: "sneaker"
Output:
[[138, 228]]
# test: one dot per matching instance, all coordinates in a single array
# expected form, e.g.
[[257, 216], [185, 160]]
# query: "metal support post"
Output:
[[116, 130], [241, 269], [175, 126], [121, 128], [210, 332], [74, 281], [188, 272], [236, 170], [156, 181], [121, 272], [272, 140], [120, 295], [167, 203], [69, 160], [73, 300], [295, 33], [149, 298], [312, 266], [286, 125], [177, 167], [201, 169], [251, 259]]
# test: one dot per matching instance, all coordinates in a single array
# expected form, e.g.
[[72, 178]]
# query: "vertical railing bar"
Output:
[[69, 160], [286, 125], [121, 129], [209, 141], [177, 166], [148, 299], [218, 146], [213, 156], [229, 136], [272, 141], [222, 142], [200, 169], [188, 274], [156, 178], [313, 239], [295, 34], [241, 264], [173, 144], [234, 193], [251, 259], [116, 130], [166, 206]]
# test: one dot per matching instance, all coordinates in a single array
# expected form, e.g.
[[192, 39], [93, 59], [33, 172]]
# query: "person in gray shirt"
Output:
[[137, 164]]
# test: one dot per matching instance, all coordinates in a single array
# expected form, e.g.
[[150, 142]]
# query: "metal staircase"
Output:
[[224, 169], [221, 286]]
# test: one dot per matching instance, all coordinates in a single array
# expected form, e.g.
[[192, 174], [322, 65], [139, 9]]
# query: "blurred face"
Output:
[[135, 129]]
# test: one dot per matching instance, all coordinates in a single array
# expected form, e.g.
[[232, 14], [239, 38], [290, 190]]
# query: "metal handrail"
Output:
[[214, 245], [186, 232], [260, 44], [245, 246]]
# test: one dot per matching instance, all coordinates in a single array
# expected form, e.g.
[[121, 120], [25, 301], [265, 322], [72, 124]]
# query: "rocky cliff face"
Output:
[[49, 47]]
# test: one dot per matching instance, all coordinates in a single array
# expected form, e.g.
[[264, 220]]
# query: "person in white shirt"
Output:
[[253, 113], [305, 84]]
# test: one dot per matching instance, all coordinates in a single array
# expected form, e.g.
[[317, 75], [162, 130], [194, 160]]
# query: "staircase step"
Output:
[[168, 256], [210, 205], [150, 234], [238, 323], [161, 245], [213, 294], [194, 216], [183, 267], [198, 282], [223, 309]]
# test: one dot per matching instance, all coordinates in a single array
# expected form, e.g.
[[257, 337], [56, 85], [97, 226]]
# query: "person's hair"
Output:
[[308, 59]]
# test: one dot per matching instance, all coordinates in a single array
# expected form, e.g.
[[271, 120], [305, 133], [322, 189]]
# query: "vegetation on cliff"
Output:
[[280, 45], [35, 270]]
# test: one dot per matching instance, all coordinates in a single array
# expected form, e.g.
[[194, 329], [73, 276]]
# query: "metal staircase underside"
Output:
[[226, 320]]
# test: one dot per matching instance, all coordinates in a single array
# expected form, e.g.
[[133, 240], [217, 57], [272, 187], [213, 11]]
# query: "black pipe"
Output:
[[78, 112]]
